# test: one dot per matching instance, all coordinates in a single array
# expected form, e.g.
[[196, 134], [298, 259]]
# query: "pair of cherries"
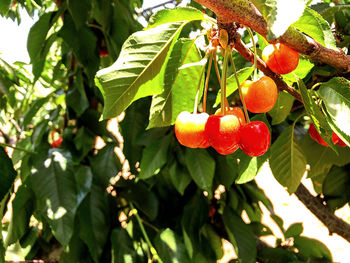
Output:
[[225, 133], [317, 137]]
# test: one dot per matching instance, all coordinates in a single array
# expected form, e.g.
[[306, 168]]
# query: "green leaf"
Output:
[[329, 13], [302, 70], [201, 167], [175, 15], [8, 174], [122, 247], [279, 255], [170, 247], [79, 11], [55, 189], [242, 74], [282, 108], [240, 235], [76, 96], [279, 14], [287, 160], [294, 230], [180, 84], [316, 115], [309, 247], [154, 156], [83, 42], [83, 178], [139, 70], [313, 24], [4, 7], [226, 170], [321, 158], [34, 108], [94, 224], [105, 164], [214, 240], [180, 177], [336, 98], [22, 209]]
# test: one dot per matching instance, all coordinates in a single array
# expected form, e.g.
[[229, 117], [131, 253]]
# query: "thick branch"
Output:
[[332, 222], [244, 12]]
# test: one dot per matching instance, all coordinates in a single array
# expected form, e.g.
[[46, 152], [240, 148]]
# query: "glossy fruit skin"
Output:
[[254, 138], [280, 58], [57, 143], [238, 112], [260, 96], [223, 133], [337, 140], [317, 137], [189, 129]]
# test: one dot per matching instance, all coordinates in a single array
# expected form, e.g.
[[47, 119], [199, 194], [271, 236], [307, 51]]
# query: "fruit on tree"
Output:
[[189, 129], [317, 137], [238, 112], [261, 95], [57, 143], [254, 138], [223, 133], [280, 58], [340, 142]]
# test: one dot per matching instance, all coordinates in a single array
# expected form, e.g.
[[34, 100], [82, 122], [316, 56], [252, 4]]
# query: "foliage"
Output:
[[98, 76]]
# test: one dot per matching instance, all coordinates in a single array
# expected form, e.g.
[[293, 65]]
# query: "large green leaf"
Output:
[[76, 96], [180, 84], [336, 98], [280, 14], [79, 11], [231, 86], [175, 15], [316, 115], [154, 156], [4, 6], [94, 224], [22, 209], [287, 161], [122, 247], [34, 108], [8, 174], [309, 247], [240, 235], [170, 247], [282, 108], [313, 24], [180, 177], [139, 70], [55, 189], [201, 167], [294, 230]]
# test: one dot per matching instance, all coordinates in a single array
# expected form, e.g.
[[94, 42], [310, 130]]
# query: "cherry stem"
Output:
[[223, 82], [255, 76], [207, 82], [218, 75], [239, 89], [199, 84]]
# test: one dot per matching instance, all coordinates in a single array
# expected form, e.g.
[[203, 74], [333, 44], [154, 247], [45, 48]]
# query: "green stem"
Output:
[[199, 85], [207, 82], [255, 76], [144, 233], [240, 90], [296, 120], [16, 148], [223, 82]]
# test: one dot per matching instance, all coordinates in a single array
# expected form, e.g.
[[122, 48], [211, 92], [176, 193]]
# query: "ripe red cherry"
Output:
[[189, 129], [317, 137], [254, 138], [261, 95], [223, 133], [280, 58], [57, 143], [103, 52], [337, 140], [234, 111]]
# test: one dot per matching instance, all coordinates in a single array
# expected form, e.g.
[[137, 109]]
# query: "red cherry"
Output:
[[261, 95], [316, 136], [223, 133], [254, 138], [280, 58], [189, 129], [337, 140], [57, 143], [234, 111], [103, 52]]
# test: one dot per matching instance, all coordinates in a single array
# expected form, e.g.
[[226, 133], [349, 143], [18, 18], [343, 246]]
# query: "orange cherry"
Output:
[[189, 129], [280, 58], [234, 111], [261, 95]]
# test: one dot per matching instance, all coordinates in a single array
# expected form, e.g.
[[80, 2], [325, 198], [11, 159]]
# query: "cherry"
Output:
[[317, 137], [254, 138], [223, 133], [261, 95], [337, 140], [189, 129], [57, 143], [280, 58], [103, 52], [234, 111]]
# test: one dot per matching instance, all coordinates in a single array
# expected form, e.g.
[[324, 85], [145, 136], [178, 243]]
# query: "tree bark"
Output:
[[244, 12]]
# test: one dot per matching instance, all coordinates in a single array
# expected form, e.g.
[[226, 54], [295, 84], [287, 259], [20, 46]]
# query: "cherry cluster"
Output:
[[229, 130]]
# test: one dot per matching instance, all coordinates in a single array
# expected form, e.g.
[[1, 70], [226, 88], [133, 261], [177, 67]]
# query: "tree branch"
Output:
[[331, 221], [244, 12]]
